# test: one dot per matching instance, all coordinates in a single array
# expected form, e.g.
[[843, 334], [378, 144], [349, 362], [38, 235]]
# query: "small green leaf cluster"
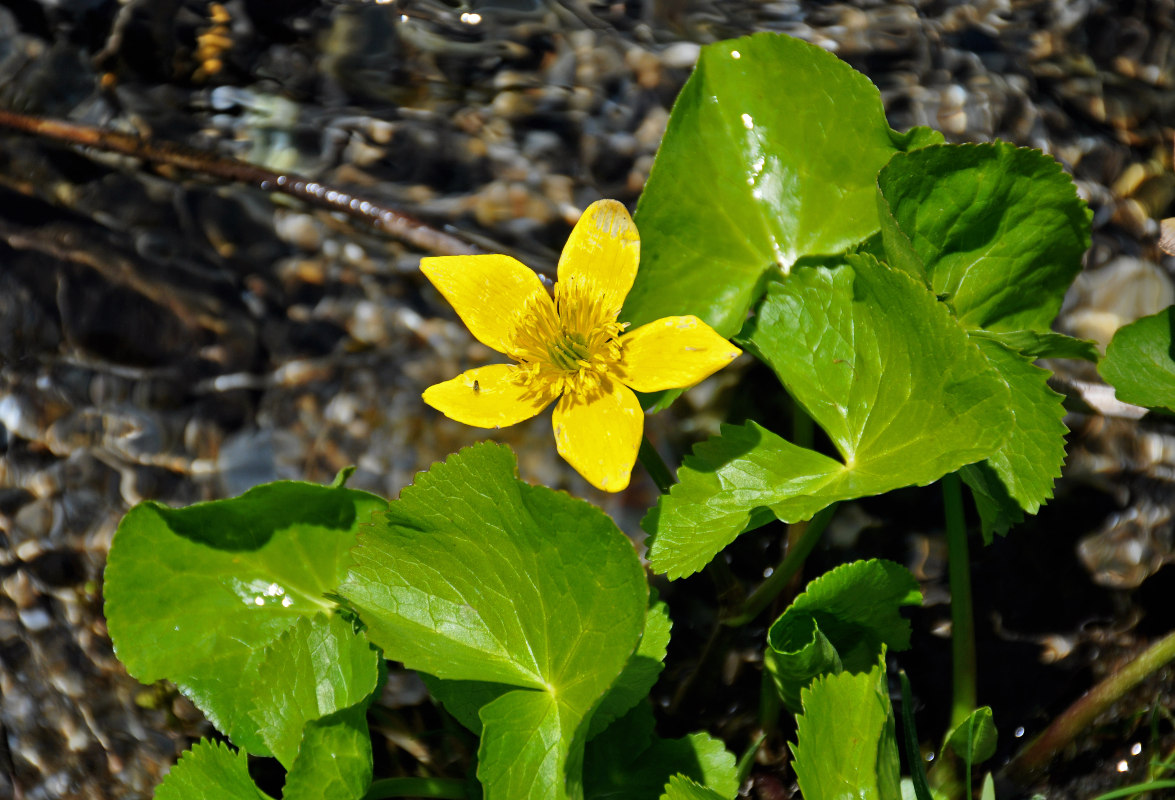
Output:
[[527, 609]]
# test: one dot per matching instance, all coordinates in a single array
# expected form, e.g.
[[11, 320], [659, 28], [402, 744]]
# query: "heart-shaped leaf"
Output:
[[473, 575], [771, 153], [194, 595], [881, 366]]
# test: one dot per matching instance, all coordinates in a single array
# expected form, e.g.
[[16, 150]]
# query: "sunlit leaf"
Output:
[[771, 153], [474, 575], [210, 769], [996, 230], [881, 366], [313, 670], [194, 595], [845, 738]]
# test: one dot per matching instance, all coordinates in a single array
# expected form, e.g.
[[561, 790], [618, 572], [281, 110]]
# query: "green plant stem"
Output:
[[962, 624], [1136, 789], [789, 566], [769, 704], [910, 738], [443, 788], [1035, 756], [655, 465]]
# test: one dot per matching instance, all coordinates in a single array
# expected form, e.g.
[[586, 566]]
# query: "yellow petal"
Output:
[[486, 398], [603, 251], [489, 293], [672, 353], [601, 438]]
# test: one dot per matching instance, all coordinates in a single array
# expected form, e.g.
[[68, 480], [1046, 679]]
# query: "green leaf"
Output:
[[881, 366], [846, 745], [843, 621], [210, 769], [641, 671], [987, 791], [318, 667], [998, 511], [974, 740], [751, 176], [1030, 459], [194, 595], [464, 699], [627, 762], [680, 787], [999, 231], [334, 761], [1139, 362], [1043, 344], [473, 575]]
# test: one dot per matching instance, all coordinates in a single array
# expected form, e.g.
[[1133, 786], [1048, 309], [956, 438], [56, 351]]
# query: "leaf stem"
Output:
[[910, 738], [797, 552], [655, 465], [443, 788], [962, 625], [1034, 757]]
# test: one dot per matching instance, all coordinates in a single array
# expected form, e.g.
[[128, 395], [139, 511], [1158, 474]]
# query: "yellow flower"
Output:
[[570, 348]]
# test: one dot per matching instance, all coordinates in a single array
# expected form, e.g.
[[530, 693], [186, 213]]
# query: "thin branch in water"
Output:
[[395, 223]]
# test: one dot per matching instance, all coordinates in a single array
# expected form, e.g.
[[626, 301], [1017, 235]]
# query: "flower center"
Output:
[[568, 347], [568, 351]]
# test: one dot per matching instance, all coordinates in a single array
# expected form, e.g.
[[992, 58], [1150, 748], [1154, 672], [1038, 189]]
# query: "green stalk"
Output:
[[655, 465], [910, 738], [788, 567], [443, 788], [1136, 790], [1035, 756], [962, 624]]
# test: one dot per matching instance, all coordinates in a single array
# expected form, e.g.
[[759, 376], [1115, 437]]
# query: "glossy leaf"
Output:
[[771, 153], [1140, 362], [473, 575], [222, 580], [316, 668], [210, 769], [997, 231], [881, 366], [1020, 476], [845, 738], [843, 621]]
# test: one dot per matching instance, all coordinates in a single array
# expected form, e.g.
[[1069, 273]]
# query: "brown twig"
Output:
[[395, 223], [1035, 756]]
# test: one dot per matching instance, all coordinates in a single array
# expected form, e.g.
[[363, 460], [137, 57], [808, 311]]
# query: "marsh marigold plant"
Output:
[[570, 348]]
